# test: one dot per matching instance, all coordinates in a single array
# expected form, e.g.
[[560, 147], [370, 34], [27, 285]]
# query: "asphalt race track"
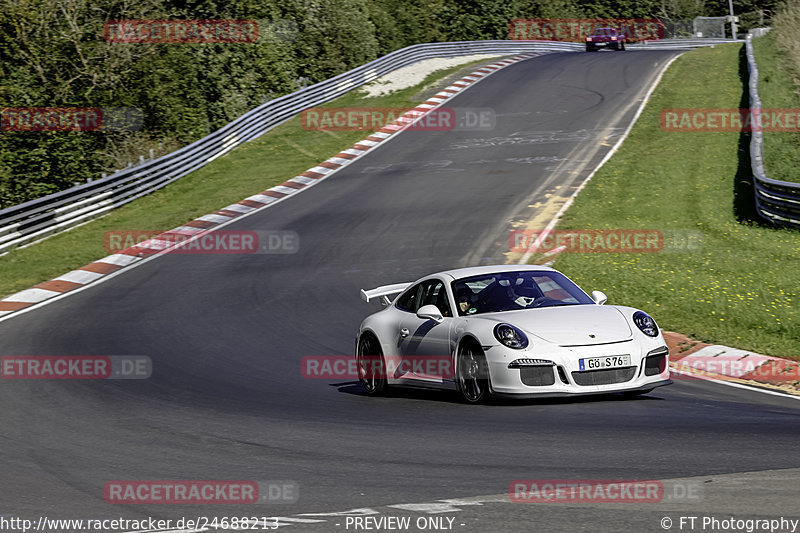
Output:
[[226, 333]]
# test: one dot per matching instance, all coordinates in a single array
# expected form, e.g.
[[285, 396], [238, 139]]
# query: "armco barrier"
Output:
[[776, 201], [37, 219]]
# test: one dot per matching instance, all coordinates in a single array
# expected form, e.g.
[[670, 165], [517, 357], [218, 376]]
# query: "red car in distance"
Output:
[[607, 37]]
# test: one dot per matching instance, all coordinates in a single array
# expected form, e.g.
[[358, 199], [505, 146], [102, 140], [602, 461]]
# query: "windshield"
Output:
[[512, 291]]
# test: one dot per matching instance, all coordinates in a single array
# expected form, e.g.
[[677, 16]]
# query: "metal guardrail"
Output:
[[34, 220], [776, 201], [680, 44]]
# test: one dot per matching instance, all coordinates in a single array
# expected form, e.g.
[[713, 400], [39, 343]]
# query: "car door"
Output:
[[424, 345]]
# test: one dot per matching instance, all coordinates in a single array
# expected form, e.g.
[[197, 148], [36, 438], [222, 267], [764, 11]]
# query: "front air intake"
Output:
[[604, 377], [537, 376]]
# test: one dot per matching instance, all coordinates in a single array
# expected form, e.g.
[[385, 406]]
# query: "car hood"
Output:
[[571, 325]]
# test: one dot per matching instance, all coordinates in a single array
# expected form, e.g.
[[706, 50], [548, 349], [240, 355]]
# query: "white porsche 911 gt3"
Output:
[[511, 330]]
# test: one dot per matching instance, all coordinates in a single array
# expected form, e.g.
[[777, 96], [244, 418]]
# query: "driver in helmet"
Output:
[[464, 300]]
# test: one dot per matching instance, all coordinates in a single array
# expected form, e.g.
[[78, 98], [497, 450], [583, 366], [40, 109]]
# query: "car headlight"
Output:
[[645, 323], [510, 336]]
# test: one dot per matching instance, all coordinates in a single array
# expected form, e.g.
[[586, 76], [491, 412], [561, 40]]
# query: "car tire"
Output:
[[371, 366], [590, 48], [472, 374]]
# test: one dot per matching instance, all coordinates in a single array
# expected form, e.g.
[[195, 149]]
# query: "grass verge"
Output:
[[720, 278], [777, 90], [273, 158]]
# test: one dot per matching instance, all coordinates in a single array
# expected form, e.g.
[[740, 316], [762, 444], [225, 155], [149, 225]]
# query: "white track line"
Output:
[[526, 257]]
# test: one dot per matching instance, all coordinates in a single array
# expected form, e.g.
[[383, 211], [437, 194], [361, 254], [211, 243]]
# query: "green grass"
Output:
[[271, 159], [777, 90], [720, 278]]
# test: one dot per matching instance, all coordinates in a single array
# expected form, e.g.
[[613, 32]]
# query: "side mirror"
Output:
[[430, 312], [599, 297]]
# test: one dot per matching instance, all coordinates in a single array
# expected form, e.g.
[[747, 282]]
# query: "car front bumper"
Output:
[[566, 394], [600, 44], [648, 368]]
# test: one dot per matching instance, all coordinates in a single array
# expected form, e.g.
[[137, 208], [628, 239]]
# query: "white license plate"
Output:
[[610, 361]]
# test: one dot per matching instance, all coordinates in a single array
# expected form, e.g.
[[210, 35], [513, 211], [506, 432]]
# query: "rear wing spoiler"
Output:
[[383, 292]]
